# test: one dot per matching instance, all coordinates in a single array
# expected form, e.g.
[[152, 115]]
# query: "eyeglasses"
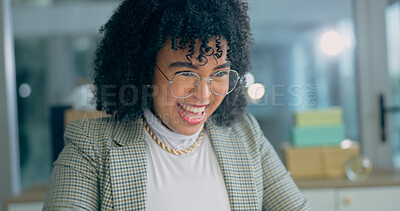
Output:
[[185, 84]]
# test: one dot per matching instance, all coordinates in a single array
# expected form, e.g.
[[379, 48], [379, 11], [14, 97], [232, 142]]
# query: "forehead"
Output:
[[169, 55]]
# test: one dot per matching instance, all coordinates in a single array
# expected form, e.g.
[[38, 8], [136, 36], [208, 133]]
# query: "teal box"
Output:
[[318, 136]]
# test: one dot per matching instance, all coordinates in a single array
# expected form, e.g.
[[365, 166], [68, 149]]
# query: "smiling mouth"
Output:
[[191, 114]]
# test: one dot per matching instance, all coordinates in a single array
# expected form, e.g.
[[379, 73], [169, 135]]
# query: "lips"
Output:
[[192, 114]]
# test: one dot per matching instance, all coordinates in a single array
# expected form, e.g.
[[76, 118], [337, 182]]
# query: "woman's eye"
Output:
[[183, 73], [221, 74], [186, 73]]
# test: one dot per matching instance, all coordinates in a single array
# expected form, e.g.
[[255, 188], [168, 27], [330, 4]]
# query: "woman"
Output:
[[170, 74]]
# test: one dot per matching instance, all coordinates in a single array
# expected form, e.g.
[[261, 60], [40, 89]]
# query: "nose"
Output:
[[203, 92]]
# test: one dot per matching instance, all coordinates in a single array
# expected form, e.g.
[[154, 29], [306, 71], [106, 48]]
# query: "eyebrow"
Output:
[[186, 64]]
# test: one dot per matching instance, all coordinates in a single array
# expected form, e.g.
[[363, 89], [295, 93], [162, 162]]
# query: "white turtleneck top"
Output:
[[191, 181]]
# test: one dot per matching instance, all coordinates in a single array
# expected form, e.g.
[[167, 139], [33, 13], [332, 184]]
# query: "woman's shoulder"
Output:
[[88, 133], [103, 131], [88, 127], [246, 124]]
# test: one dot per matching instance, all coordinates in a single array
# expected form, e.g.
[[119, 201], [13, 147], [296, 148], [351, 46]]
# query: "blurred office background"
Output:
[[310, 54]]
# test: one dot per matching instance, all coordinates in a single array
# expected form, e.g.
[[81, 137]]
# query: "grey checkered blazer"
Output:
[[103, 167]]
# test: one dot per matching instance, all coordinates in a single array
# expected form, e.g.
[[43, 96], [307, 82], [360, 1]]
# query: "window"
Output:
[[296, 70], [55, 43]]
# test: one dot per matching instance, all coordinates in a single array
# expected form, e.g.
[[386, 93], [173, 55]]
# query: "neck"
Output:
[[159, 117]]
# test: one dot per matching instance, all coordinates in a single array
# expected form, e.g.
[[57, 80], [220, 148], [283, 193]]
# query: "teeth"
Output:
[[193, 109], [191, 117]]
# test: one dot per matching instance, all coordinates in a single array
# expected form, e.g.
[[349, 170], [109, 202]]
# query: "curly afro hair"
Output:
[[126, 55]]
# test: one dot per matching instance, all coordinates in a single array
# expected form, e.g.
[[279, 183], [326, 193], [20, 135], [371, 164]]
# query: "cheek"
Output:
[[218, 100], [163, 96]]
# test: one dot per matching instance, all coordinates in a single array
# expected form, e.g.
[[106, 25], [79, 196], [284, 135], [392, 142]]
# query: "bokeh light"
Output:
[[24, 90], [332, 43], [256, 91], [249, 79]]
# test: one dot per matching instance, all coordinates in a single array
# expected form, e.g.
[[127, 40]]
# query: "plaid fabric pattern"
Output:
[[103, 167]]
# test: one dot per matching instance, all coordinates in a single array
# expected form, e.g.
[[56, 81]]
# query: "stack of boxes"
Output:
[[316, 151], [318, 128]]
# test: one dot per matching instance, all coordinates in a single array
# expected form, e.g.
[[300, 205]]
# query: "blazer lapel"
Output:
[[236, 167], [128, 166]]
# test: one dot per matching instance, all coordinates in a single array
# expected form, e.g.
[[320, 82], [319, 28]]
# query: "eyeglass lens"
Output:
[[186, 83]]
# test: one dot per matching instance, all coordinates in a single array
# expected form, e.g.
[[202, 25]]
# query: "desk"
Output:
[[30, 199], [381, 191]]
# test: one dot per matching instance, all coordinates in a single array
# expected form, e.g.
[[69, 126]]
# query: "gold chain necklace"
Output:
[[174, 151]]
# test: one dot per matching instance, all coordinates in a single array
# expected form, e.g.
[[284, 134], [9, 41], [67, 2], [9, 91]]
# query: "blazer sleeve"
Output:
[[280, 191], [73, 184]]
